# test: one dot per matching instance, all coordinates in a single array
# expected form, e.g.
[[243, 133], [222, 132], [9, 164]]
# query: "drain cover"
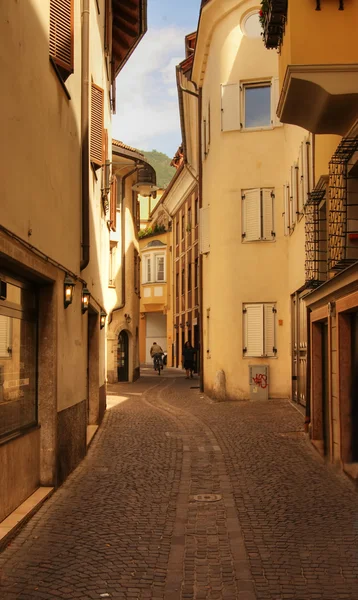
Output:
[[207, 497]]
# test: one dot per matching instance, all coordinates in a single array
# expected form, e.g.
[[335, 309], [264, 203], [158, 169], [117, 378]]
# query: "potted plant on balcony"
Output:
[[273, 16]]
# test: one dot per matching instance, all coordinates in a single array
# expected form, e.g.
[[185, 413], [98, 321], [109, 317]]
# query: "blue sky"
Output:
[[147, 102]]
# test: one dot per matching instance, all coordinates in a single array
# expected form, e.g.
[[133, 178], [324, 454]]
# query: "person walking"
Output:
[[188, 359]]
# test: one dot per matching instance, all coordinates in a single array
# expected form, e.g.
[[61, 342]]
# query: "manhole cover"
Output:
[[292, 434], [207, 497]]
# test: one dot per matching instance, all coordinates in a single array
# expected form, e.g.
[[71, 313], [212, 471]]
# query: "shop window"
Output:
[[18, 358]]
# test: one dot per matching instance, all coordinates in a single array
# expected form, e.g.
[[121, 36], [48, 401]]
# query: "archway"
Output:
[[123, 356]]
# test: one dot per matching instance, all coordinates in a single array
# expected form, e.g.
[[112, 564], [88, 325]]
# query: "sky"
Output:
[[147, 100]]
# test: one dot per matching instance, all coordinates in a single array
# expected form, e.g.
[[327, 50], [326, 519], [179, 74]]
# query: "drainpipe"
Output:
[[85, 134], [200, 194], [123, 245]]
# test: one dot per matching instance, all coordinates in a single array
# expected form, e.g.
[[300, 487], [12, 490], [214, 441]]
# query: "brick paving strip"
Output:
[[208, 559]]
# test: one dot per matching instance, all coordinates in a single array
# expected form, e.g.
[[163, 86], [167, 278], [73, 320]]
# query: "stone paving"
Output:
[[181, 497]]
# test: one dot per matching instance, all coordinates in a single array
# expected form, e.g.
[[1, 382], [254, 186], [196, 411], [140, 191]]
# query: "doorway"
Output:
[[325, 390], [123, 356]]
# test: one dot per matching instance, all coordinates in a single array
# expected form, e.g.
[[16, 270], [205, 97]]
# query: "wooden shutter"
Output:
[[251, 215], [97, 121], [113, 204], [4, 336], [269, 330], [204, 230], [230, 107], [286, 214], [253, 330], [61, 33], [275, 96], [268, 232]]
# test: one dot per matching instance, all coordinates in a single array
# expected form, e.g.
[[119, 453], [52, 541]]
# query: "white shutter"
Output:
[[275, 96], [230, 107], [294, 191], [204, 230], [251, 215], [4, 336], [268, 214], [305, 171], [310, 159], [269, 330], [286, 214], [300, 182], [253, 329], [203, 140]]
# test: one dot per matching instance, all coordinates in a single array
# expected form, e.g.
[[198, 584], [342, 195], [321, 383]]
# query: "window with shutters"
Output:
[[97, 126], [204, 230], [294, 195], [113, 204], [249, 105], [61, 36], [258, 215], [259, 330], [154, 268]]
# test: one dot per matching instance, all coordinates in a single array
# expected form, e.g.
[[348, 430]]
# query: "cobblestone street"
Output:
[[133, 521]]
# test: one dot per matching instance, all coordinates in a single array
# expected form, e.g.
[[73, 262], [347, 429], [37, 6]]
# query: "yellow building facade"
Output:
[[55, 227], [318, 91]]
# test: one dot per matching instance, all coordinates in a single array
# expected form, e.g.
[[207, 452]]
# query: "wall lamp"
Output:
[[85, 299], [102, 319], [68, 287]]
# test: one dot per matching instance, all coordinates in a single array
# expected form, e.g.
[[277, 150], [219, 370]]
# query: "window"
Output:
[[294, 195], [189, 218], [18, 358], [249, 106], [196, 274], [258, 215], [154, 268], [177, 285], [259, 330], [112, 263], [177, 232], [97, 129], [183, 282], [286, 214], [251, 25], [136, 271], [182, 226], [196, 211], [61, 36], [257, 105], [159, 265], [189, 277]]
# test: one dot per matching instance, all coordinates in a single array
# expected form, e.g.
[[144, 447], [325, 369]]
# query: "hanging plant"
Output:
[[265, 4]]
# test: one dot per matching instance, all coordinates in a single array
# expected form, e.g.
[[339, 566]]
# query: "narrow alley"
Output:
[[182, 497]]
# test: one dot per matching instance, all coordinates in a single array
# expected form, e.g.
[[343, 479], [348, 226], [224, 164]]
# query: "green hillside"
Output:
[[161, 163]]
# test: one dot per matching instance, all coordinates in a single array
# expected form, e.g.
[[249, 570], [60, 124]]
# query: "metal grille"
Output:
[[316, 258], [338, 193]]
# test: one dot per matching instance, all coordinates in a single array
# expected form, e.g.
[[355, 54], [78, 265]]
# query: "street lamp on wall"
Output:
[[146, 181], [68, 287], [85, 299], [102, 319]]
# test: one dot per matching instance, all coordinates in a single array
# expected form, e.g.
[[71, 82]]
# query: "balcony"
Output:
[[318, 66], [274, 15]]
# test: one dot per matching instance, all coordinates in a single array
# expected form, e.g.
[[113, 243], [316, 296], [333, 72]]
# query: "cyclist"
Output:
[[156, 352]]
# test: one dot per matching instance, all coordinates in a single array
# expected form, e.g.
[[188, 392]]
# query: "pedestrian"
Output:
[[188, 359]]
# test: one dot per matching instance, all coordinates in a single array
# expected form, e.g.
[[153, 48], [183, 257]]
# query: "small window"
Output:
[[189, 277], [258, 215], [112, 264], [196, 211], [159, 265], [251, 25], [259, 330], [177, 232], [257, 105], [196, 274], [183, 282], [113, 203], [61, 36], [148, 269], [182, 226]]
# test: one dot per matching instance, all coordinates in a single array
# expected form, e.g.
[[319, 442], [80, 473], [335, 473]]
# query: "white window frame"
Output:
[[261, 215], [252, 85], [150, 267], [264, 316]]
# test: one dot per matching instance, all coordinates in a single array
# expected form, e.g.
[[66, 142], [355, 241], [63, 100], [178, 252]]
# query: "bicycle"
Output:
[[158, 363]]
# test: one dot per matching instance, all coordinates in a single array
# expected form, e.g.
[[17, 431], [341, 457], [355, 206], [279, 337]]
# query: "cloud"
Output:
[[147, 101]]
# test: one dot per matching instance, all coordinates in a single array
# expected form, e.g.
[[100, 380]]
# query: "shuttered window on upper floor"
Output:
[[97, 128], [258, 215], [113, 204], [61, 35]]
